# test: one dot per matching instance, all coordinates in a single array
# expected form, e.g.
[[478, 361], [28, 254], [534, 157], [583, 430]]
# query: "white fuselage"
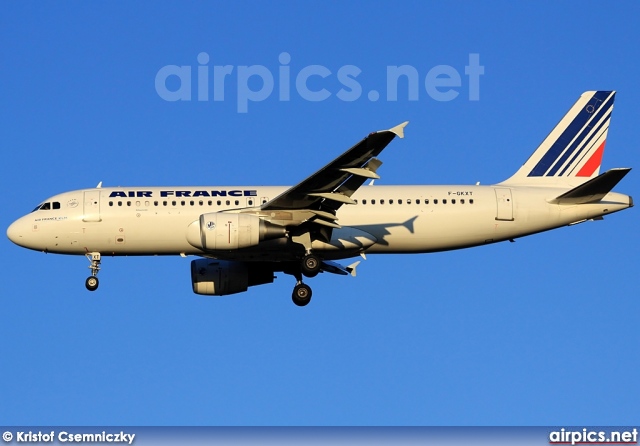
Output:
[[386, 219]]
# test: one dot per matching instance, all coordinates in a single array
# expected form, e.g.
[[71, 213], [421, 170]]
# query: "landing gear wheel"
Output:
[[311, 265], [92, 283], [301, 295]]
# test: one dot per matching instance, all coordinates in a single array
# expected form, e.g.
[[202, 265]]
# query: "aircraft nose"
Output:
[[15, 232]]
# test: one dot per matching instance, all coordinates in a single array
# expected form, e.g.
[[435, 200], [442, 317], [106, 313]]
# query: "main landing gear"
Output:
[[92, 281], [310, 267], [301, 292]]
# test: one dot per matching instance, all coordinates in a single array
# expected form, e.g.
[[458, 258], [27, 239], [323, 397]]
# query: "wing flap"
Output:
[[361, 172]]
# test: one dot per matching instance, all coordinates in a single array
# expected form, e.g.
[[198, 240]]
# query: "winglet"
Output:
[[352, 268], [399, 129]]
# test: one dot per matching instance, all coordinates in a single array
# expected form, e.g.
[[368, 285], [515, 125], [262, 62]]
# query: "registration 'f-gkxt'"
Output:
[[244, 235]]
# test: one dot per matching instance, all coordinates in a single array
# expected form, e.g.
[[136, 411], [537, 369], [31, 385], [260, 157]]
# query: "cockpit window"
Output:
[[47, 206]]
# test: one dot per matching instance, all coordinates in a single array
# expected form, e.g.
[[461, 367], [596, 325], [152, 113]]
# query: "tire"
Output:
[[311, 265], [301, 295], [92, 283]]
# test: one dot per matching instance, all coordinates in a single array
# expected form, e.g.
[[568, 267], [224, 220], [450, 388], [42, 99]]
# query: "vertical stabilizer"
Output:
[[572, 153]]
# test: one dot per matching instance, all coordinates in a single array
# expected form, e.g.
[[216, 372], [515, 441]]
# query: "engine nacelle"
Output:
[[221, 277], [220, 231]]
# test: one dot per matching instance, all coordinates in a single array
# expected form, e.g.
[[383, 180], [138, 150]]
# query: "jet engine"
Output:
[[221, 277], [220, 231]]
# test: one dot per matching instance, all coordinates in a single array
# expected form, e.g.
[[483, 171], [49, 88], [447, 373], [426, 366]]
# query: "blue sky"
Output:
[[540, 332]]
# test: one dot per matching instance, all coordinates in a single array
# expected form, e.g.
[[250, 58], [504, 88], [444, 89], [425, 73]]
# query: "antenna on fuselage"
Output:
[[99, 186]]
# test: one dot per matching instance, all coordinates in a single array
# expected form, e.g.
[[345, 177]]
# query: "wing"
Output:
[[325, 191]]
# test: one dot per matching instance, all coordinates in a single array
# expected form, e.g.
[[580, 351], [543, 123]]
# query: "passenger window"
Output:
[[228, 202], [471, 201], [192, 202], [218, 202], [409, 201], [128, 203], [237, 202], [382, 201], [444, 201], [111, 203], [155, 203], [435, 201], [137, 203], [373, 201], [164, 203], [418, 201], [174, 202], [399, 201], [250, 202], [182, 203], [119, 203], [462, 201], [391, 201], [364, 201], [453, 201], [426, 201], [146, 203], [201, 203], [210, 202]]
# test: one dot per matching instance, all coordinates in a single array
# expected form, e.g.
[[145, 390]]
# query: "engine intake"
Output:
[[221, 277], [219, 231]]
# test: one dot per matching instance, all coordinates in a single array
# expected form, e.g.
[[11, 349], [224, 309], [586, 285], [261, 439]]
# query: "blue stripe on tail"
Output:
[[572, 130], [581, 138]]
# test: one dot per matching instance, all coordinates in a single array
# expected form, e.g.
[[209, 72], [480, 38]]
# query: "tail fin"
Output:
[[572, 152]]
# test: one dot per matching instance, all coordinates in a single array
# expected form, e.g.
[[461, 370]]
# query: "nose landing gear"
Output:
[[92, 281]]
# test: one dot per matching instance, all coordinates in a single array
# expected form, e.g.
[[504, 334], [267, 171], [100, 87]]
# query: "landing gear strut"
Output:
[[92, 281], [301, 292]]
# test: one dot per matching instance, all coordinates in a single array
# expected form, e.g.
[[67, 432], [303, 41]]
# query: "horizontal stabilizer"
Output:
[[593, 190]]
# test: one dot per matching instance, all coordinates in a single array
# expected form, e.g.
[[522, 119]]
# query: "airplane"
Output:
[[243, 235]]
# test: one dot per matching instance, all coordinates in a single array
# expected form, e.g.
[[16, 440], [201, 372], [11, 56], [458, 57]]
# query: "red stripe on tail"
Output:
[[593, 163]]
